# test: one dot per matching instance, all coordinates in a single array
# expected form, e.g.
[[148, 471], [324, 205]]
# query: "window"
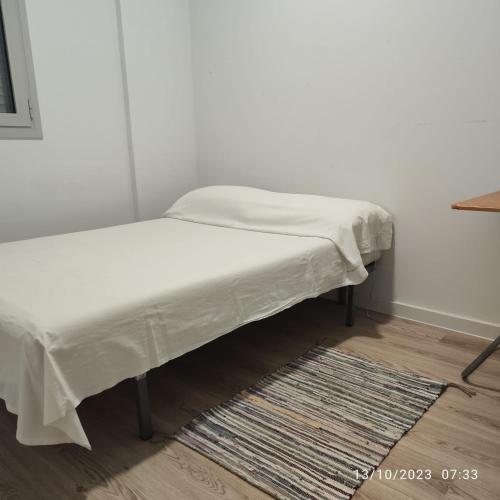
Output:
[[19, 114]]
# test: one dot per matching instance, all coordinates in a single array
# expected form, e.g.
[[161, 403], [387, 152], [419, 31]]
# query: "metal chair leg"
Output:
[[349, 313], [143, 408], [481, 358]]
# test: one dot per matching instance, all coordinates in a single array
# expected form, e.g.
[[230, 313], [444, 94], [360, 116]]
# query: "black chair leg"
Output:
[[143, 408], [349, 313]]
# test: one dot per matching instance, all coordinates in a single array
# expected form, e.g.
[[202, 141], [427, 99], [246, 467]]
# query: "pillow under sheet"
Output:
[[355, 227]]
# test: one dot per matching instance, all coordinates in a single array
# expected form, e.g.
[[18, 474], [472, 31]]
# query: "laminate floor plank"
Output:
[[457, 431]]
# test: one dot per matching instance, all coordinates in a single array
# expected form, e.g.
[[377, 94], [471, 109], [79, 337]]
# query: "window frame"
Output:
[[25, 122]]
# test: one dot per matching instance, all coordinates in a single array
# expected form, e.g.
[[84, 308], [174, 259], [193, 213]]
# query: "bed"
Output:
[[81, 312]]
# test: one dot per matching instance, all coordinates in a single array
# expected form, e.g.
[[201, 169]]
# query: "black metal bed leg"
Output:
[[349, 312], [143, 408], [341, 295]]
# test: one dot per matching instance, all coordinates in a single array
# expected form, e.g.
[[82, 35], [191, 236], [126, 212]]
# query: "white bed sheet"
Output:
[[80, 312]]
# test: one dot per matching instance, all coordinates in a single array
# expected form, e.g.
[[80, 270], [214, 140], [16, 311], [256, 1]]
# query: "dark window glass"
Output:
[[6, 95]]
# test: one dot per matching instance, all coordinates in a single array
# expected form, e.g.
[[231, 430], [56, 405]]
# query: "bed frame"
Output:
[[345, 297]]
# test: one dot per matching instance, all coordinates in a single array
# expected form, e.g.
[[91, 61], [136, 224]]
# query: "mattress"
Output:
[[81, 312]]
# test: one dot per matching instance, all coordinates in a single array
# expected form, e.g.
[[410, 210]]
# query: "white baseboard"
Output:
[[441, 319], [469, 326]]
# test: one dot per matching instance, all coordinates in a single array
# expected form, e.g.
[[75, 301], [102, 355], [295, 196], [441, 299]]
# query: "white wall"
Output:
[[394, 102], [78, 176], [158, 60]]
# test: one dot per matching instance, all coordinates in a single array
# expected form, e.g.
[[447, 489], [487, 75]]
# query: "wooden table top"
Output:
[[486, 203]]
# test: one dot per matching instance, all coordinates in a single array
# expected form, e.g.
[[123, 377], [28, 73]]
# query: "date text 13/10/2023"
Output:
[[418, 474]]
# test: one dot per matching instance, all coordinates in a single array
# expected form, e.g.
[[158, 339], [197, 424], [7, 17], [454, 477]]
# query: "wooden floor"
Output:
[[457, 432]]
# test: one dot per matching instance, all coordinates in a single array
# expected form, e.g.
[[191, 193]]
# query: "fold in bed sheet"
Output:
[[81, 312]]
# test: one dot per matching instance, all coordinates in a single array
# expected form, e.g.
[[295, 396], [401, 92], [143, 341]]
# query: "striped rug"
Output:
[[311, 429]]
